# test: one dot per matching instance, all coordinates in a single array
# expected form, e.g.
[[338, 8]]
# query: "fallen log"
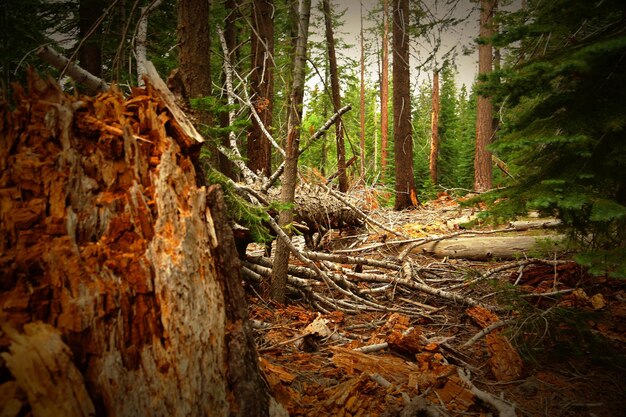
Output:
[[489, 247], [521, 225]]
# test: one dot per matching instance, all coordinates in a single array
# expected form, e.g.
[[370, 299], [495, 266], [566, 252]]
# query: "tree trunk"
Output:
[[261, 85], [384, 93], [90, 52], [434, 129], [402, 130], [334, 83], [292, 148], [194, 42], [362, 105], [108, 239], [141, 44], [484, 108]]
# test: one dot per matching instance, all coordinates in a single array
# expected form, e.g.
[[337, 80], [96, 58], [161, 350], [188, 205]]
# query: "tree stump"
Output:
[[106, 237]]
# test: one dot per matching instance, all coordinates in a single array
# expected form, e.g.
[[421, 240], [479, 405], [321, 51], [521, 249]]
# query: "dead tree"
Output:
[[109, 241]]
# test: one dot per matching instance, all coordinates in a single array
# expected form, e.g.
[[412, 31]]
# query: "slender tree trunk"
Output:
[[434, 128], [141, 48], [402, 129], [261, 84], [384, 93], [90, 53], [121, 62], [281, 257], [362, 103], [484, 108], [336, 96], [225, 165]]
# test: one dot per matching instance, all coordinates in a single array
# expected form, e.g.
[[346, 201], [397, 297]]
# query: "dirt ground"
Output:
[[549, 355]]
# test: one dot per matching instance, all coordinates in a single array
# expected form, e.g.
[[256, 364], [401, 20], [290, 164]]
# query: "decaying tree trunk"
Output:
[[108, 240]]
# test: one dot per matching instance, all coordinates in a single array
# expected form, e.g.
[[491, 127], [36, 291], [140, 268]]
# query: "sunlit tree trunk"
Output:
[[281, 257], [261, 84], [484, 108], [384, 92], [402, 130], [334, 83], [434, 128]]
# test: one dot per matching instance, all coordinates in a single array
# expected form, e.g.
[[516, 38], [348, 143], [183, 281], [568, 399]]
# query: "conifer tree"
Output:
[[450, 140], [564, 135]]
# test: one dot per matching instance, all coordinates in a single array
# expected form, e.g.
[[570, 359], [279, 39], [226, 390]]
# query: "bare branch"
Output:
[[92, 83], [248, 175]]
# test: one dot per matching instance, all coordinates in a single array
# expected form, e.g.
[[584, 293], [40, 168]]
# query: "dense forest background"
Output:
[[542, 127]]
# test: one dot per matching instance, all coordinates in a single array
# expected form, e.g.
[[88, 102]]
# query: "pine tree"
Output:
[[564, 132], [449, 134]]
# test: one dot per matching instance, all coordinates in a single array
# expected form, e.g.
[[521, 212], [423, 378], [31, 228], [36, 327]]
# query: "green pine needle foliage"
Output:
[[239, 210], [563, 129]]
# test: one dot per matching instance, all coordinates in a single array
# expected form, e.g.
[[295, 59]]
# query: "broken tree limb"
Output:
[[486, 331], [521, 225], [181, 121], [91, 83], [372, 348], [355, 260], [42, 366], [503, 409]]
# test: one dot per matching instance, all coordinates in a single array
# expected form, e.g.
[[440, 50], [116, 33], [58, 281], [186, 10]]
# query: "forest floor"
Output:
[[554, 344]]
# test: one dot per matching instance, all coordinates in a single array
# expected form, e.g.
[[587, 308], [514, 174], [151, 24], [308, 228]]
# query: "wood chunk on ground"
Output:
[[504, 360], [42, 366]]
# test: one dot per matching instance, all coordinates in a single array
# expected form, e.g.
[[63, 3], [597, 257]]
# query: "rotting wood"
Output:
[[42, 366], [110, 239], [504, 360], [157, 87]]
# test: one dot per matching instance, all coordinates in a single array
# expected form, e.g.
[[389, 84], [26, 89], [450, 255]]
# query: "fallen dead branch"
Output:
[[503, 408], [92, 83], [485, 331]]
